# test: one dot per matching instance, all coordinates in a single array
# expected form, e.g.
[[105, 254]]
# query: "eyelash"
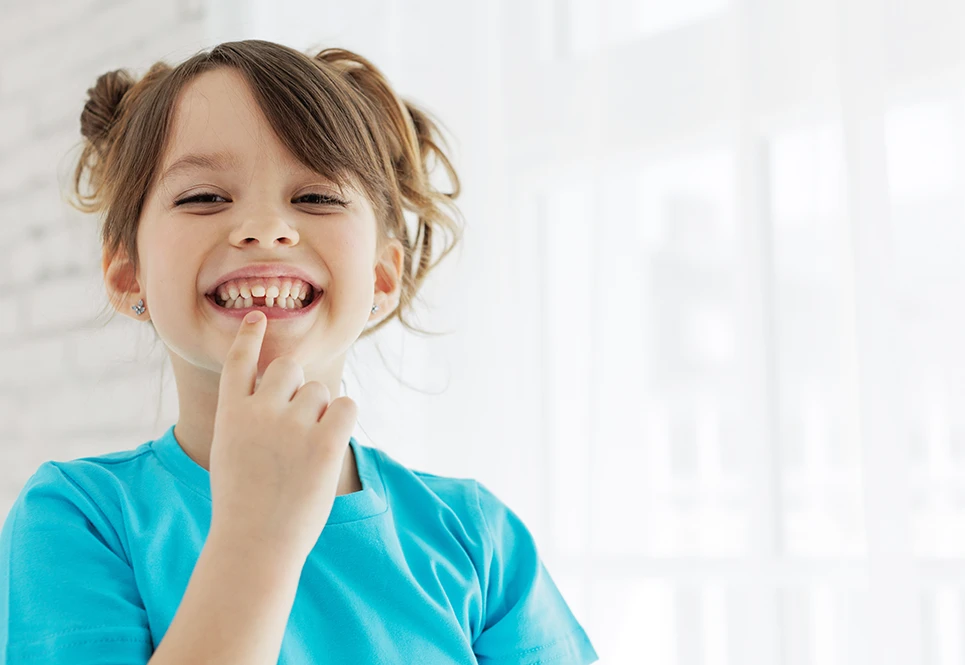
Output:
[[326, 199]]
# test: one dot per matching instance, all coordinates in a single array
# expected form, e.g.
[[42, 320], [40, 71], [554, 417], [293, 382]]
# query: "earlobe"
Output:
[[121, 284]]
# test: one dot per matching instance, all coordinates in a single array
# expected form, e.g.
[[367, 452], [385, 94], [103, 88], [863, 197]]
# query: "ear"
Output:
[[120, 280], [388, 275]]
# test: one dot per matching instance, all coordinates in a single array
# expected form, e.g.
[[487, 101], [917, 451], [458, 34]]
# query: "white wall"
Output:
[[67, 388]]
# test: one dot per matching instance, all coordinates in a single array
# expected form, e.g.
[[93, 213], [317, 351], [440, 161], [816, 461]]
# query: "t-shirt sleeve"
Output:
[[527, 621], [67, 591]]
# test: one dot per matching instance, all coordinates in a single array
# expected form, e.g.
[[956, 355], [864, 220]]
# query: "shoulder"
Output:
[[483, 515], [88, 490], [407, 483], [92, 471], [420, 494]]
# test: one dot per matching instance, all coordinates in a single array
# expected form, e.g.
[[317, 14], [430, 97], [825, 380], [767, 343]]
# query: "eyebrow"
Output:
[[215, 161]]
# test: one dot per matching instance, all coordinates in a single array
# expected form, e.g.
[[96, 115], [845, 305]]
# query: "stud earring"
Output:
[[139, 307], [374, 307]]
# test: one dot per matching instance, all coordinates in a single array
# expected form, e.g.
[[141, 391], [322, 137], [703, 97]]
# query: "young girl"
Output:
[[257, 182]]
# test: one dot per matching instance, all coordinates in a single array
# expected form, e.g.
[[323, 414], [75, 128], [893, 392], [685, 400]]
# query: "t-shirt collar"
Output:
[[368, 502]]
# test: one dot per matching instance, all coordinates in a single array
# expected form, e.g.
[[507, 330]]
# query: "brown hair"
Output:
[[335, 112]]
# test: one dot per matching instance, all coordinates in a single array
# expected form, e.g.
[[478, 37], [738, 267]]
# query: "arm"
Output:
[[236, 605]]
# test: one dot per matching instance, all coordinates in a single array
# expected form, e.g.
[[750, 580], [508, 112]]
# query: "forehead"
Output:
[[218, 126]]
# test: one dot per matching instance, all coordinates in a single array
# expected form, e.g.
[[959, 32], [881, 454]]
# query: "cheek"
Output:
[[349, 263], [347, 254], [171, 261]]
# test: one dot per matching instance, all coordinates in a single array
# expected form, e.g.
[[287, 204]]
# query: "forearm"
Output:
[[235, 608]]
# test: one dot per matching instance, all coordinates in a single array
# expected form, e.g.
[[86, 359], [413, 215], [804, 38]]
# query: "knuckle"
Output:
[[341, 409], [342, 404], [309, 401], [286, 363], [351, 409], [315, 388]]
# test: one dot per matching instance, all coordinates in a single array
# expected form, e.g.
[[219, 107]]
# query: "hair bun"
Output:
[[102, 104]]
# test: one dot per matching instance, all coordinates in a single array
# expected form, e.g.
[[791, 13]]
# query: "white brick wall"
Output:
[[69, 388]]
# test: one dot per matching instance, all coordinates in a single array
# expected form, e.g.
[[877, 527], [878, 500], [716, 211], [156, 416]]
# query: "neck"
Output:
[[198, 402]]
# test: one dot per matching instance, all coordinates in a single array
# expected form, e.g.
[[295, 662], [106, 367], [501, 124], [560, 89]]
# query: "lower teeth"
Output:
[[298, 304]]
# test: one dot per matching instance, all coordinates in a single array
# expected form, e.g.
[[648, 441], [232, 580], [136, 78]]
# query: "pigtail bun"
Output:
[[101, 123], [103, 105]]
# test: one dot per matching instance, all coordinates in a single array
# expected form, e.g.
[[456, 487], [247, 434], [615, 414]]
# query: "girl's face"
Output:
[[260, 206]]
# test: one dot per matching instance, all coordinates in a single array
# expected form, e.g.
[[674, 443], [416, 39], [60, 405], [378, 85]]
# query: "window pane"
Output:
[[924, 142], [670, 443], [818, 443], [568, 311], [943, 627], [824, 626]]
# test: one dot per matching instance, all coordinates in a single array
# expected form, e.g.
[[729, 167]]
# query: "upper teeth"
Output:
[[286, 292]]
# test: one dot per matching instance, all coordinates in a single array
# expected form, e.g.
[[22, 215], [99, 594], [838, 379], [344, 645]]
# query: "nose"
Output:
[[265, 229]]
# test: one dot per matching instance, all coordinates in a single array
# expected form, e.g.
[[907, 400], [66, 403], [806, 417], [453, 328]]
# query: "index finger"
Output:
[[241, 364]]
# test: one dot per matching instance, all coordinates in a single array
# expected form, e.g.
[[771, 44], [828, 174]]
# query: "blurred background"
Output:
[[703, 333]]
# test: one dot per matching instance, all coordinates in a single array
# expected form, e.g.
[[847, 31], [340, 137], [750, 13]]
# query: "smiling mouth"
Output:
[[265, 302]]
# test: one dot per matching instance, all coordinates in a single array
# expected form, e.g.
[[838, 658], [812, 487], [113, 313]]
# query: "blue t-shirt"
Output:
[[96, 553]]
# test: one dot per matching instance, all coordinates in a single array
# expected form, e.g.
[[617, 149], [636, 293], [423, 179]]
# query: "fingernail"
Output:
[[251, 317]]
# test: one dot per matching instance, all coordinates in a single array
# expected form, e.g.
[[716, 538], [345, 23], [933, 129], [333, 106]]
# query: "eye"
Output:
[[194, 199], [325, 199], [320, 199]]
